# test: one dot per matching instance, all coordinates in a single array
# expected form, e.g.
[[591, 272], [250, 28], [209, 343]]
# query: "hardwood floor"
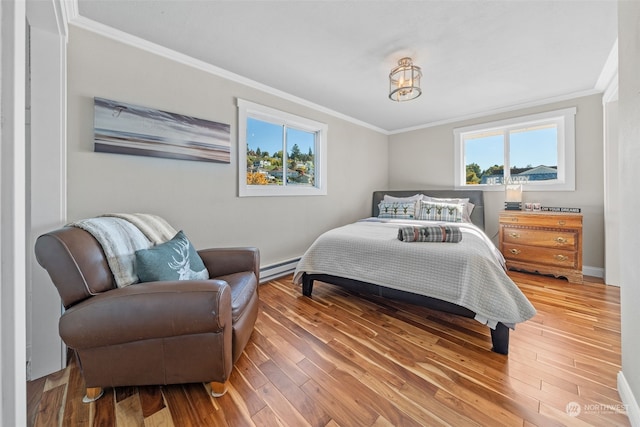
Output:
[[342, 359]]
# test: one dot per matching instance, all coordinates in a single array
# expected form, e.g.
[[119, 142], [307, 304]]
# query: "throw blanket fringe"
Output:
[[120, 240], [155, 228], [430, 233]]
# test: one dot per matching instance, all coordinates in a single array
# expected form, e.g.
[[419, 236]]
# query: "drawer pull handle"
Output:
[[562, 222], [561, 257], [514, 251], [514, 235], [560, 240]]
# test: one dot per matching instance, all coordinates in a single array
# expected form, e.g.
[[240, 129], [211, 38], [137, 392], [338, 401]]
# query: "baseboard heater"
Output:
[[273, 271]]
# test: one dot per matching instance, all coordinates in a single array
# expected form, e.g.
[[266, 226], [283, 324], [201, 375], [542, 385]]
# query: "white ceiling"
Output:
[[476, 56]]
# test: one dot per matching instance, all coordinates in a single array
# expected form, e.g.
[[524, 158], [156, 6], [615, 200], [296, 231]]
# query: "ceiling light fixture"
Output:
[[404, 81]]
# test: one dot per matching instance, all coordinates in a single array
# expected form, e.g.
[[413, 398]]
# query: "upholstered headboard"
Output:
[[475, 196]]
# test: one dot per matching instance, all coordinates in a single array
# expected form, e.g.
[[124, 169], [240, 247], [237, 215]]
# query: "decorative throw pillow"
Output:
[[176, 259], [397, 210], [449, 212], [468, 206]]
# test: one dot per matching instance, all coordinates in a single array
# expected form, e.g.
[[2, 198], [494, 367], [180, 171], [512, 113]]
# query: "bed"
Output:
[[466, 278]]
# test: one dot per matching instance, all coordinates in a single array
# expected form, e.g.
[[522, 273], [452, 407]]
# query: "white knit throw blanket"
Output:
[[154, 227], [121, 235]]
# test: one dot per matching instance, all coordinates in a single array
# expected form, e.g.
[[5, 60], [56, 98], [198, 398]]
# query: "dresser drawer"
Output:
[[542, 238], [538, 255], [533, 220]]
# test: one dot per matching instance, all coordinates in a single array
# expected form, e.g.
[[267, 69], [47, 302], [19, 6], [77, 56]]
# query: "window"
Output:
[[537, 151], [280, 154]]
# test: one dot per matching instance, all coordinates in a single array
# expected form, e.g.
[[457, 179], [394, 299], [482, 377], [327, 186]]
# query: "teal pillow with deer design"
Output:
[[176, 259]]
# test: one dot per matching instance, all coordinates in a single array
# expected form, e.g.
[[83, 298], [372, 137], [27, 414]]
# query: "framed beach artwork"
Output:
[[131, 129]]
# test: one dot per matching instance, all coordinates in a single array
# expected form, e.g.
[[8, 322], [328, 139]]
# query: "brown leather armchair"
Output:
[[151, 333]]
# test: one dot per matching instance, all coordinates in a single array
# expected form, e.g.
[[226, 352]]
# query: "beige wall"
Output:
[[424, 158], [201, 197]]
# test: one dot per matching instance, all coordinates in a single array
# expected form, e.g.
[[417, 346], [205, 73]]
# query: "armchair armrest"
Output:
[[223, 261], [146, 311]]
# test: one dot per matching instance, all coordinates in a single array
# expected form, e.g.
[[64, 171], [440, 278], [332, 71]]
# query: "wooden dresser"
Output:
[[543, 242]]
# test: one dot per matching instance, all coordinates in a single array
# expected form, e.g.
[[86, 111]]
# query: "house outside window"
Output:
[[537, 151], [280, 154]]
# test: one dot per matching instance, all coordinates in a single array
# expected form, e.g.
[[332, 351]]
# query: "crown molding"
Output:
[[125, 38], [52, 17], [508, 109]]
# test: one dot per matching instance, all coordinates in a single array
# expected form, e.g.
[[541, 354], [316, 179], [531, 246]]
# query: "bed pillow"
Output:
[[398, 210], [448, 212], [414, 198], [468, 208], [176, 259]]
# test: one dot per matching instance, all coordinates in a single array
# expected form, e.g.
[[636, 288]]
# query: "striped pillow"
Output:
[[448, 212]]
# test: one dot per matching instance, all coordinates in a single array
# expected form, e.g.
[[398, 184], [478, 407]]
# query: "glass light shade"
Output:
[[513, 193], [404, 81], [513, 197]]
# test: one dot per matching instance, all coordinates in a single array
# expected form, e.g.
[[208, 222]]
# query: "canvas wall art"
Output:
[[131, 129]]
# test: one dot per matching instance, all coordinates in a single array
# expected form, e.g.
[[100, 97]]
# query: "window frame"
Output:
[[565, 121], [248, 109]]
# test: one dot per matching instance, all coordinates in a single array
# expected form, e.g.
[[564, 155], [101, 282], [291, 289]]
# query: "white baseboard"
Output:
[[629, 400], [273, 271], [593, 271]]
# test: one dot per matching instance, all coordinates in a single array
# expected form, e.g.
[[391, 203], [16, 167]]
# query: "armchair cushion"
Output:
[[243, 287], [176, 259]]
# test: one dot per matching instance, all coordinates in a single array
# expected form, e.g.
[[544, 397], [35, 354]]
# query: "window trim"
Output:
[[248, 109], [565, 120]]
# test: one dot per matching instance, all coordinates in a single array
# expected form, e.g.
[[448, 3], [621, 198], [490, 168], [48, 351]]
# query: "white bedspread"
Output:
[[469, 273]]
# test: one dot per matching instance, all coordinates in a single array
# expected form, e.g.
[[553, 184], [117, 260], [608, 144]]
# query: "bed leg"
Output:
[[500, 339], [307, 285]]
